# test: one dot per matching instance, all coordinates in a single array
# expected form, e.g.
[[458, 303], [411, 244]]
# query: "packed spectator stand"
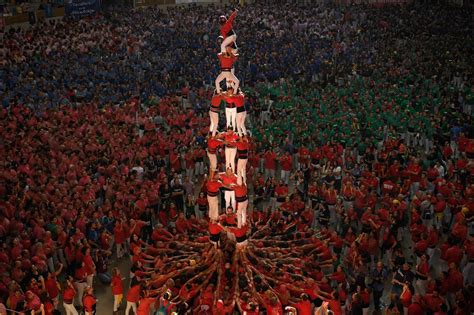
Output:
[[360, 170]]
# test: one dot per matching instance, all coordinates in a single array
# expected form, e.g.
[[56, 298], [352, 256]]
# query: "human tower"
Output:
[[232, 181]]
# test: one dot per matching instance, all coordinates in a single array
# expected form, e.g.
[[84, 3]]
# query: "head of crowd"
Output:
[[360, 172]]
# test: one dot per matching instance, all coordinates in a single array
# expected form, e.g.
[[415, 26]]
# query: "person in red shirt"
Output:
[[117, 288], [348, 194], [69, 293], [203, 205], [414, 170], [416, 308], [433, 301], [146, 305], [422, 272], [227, 60], [234, 109], [227, 33], [455, 280], [286, 164], [281, 192], [303, 306], [240, 234], [215, 230], [243, 155], [273, 305], [239, 101], [269, 163], [52, 286], [80, 281], [230, 139], [190, 164], [330, 197], [89, 264], [119, 238], [133, 296], [242, 201], [213, 186], [229, 180], [214, 110], [89, 301], [182, 224], [213, 143]]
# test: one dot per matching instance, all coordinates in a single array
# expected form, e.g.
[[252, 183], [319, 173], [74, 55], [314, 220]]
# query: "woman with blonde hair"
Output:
[[117, 289]]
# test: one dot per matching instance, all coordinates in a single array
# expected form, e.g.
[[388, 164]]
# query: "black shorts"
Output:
[[241, 109]]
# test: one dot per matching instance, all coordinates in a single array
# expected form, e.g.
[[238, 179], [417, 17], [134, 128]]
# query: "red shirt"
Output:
[[330, 197], [415, 172], [214, 228], [182, 226], [454, 281], [213, 187], [119, 234], [228, 179], [454, 255], [240, 191], [227, 61], [286, 163], [133, 294], [231, 139], [433, 303], [270, 160], [239, 232], [89, 302], [145, 305], [238, 100], [303, 307], [415, 309], [227, 27], [117, 285], [89, 264], [189, 158], [242, 146], [212, 145], [69, 294], [335, 307], [281, 191], [52, 287]]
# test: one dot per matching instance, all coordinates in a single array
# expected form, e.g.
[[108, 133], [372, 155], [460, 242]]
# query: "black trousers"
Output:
[[377, 296]]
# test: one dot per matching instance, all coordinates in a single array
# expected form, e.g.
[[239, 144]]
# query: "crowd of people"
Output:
[[360, 168]]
